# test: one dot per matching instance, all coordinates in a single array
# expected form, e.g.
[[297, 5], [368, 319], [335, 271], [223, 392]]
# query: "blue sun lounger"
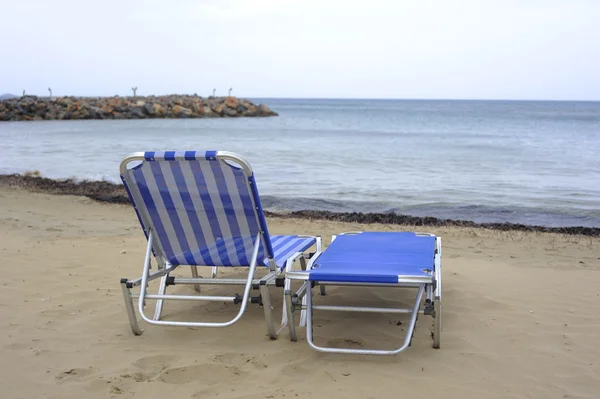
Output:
[[203, 209], [371, 259]]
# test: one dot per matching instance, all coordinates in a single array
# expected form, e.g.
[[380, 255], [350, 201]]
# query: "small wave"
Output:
[[548, 216]]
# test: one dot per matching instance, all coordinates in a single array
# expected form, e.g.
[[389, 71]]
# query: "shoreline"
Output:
[[107, 192]]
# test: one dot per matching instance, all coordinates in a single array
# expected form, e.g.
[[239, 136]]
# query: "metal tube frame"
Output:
[[162, 274], [161, 296], [430, 287], [245, 297], [407, 338]]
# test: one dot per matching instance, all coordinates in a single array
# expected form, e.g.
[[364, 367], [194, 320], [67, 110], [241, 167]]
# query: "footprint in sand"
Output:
[[155, 364], [73, 375], [137, 376], [240, 360], [208, 374]]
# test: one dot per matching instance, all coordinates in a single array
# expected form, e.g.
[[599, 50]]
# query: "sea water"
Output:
[[486, 161]]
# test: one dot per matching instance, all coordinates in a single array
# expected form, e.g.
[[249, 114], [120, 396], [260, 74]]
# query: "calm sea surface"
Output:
[[520, 162]]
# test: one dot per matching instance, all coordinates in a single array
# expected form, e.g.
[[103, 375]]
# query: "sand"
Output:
[[521, 319]]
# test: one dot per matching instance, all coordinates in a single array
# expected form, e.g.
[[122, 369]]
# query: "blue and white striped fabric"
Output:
[[285, 247], [204, 210]]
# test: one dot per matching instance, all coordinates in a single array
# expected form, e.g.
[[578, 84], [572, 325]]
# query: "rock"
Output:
[[97, 113], [149, 109], [113, 102], [218, 108], [50, 116], [181, 112], [5, 116], [137, 112], [64, 101], [231, 102], [140, 103], [81, 113], [263, 110], [154, 110], [251, 110], [230, 111], [208, 112], [159, 110], [197, 107]]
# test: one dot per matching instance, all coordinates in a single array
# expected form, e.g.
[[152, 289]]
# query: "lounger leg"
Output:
[[437, 300], [407, 338], [429, 292], [266, 300], [303, 263], [215, 269], [135, 328], [303, 311], [195, 275], [291, 321], [437, 323], [322, 288], [159, 303]]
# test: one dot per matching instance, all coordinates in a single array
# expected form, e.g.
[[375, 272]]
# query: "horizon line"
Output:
[[327, 98], [420, 99]]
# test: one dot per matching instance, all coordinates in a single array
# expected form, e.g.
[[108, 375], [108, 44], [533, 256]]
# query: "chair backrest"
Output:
[[202, 207]]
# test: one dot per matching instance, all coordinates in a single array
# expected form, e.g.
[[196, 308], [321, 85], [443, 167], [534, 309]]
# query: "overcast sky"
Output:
[[486, 49]]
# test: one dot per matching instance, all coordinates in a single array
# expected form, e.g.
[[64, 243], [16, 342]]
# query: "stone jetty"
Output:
[[33, 108]]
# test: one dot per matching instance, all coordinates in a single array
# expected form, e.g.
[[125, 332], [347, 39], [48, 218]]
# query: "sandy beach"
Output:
[[521, 319]]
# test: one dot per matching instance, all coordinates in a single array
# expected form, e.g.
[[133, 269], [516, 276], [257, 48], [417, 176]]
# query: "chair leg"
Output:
[[215, 269], [304, 305], [437, 323], [266, 300], [195, 275], [407, 338], [303, 263], [323, 291], [159, 303], [303, 311], [429, 292], [291, 320], [135, 328]]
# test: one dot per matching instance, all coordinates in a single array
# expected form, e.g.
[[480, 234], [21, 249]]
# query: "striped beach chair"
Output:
[[371, 259], [203, 209]]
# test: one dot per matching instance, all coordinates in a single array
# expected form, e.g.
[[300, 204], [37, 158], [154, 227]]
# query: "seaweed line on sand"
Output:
[[108, 192]]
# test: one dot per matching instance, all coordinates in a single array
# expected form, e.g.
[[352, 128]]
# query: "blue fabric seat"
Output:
[[204, 211], [375, 257], [284, 247]]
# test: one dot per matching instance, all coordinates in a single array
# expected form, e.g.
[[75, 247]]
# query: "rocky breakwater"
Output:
[[32, 108]]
